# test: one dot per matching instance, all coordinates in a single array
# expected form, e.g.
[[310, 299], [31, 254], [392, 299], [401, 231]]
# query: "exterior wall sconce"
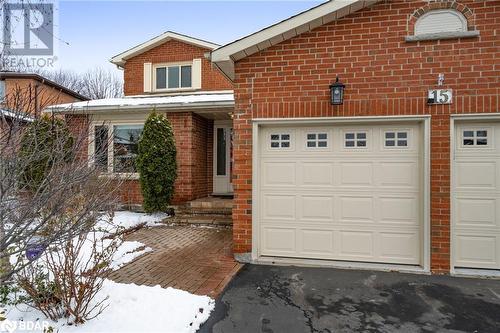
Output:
[[337, 92]]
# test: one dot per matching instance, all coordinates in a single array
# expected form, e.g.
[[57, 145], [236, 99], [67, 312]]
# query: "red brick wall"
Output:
[[172, 51], [384, 75], [193, 136]]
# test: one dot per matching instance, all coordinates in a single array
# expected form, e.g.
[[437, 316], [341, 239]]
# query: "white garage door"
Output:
[[341, 193], [476, 196]]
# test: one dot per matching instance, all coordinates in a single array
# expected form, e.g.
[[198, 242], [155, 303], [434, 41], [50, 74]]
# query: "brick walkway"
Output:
[[194, 259]]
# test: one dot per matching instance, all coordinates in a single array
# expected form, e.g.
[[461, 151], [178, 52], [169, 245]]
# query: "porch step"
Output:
[[203, 219], [209, 210], [187, 210]]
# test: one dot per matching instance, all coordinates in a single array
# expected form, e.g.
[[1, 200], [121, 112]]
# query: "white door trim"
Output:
[[424, 120], [453, 119], [228, 188]]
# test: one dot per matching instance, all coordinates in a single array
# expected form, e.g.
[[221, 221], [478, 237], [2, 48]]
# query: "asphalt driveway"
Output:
[[292, 299]]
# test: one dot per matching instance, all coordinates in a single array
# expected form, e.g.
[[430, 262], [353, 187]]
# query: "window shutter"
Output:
[[196, 74], [147, 76]]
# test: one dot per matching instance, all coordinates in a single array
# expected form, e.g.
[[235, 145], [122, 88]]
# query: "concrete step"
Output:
[[202, 211], [202, 219]]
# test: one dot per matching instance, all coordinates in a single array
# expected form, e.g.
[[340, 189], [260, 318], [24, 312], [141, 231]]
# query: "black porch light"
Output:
[[337, 92]]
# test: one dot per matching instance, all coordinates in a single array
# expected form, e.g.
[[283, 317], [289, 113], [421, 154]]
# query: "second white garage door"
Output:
[[341, 193], [476, 196]]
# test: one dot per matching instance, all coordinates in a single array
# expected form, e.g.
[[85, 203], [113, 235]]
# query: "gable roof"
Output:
[[225, 57], [121, 58]]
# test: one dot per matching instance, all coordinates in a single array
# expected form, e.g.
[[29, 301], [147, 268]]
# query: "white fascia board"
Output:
[[158, 107], [121, 58]]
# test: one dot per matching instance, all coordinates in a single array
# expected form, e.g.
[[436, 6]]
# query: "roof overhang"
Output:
[[122, 58], [225, 57], [208, 102]]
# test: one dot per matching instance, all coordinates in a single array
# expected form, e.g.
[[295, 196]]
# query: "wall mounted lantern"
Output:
[[337, 92]]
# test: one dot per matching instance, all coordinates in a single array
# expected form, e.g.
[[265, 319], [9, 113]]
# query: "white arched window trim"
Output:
[[439, 21], [441, 24]]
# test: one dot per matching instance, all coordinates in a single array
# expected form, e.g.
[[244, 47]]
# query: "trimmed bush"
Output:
[[46, 144], [156, 163]]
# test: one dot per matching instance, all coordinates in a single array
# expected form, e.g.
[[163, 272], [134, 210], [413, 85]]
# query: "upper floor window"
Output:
[[173, 77], [441, 21]]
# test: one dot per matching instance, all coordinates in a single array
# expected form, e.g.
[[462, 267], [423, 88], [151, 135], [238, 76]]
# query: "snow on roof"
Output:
[[206, 99], [4, 113]]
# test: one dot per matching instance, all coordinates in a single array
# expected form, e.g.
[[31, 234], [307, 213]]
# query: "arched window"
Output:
[[441, 21]]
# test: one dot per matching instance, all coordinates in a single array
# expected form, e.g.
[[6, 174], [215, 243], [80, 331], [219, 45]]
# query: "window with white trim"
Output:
[[316, 140], [173, 77], [125, 147], [355, 140], [475, 137], [395, 139], [280, 140]]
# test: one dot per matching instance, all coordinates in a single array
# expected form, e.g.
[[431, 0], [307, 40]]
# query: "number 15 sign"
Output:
[[440, 96]]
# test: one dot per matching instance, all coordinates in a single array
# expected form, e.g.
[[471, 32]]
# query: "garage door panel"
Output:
[[400, 246], [356, 208], [476, 212], [278, 174], [400, 174], [278, 240], [399, 210], [356, 174], [356, 203], [470, 175], [317, 174], [317, 207], [477, 251], [356, 244], [276, 206], [317, 242]]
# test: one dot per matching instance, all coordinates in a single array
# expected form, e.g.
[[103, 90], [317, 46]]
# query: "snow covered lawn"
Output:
[[131, 308], [134, 308]]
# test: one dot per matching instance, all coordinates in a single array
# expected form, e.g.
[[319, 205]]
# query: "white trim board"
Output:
[[424, 120], [120, 59]]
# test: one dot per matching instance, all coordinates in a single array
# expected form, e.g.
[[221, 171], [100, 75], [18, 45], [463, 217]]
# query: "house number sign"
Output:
[[440, 96]]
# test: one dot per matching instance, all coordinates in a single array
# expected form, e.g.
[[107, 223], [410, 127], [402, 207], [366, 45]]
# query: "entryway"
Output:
[[223, 159]]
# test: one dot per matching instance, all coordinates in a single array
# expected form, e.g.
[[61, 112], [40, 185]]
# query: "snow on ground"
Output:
[[126, 219], [131, 308], [127, 252], [134, 308]]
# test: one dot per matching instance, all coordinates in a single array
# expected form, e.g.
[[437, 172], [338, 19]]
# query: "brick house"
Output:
[[24, 95], [389, 178], [171, 75], [394, 167]]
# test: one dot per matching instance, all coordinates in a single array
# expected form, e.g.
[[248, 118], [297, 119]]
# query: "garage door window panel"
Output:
[[280, 140], [396, 139], [355, 140], [475, 138], [317, 140]]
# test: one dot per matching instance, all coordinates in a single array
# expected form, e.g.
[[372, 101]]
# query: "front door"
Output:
[[222, 157]]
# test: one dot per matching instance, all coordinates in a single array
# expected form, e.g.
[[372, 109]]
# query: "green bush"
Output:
[[156, 163], [46, 143]]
